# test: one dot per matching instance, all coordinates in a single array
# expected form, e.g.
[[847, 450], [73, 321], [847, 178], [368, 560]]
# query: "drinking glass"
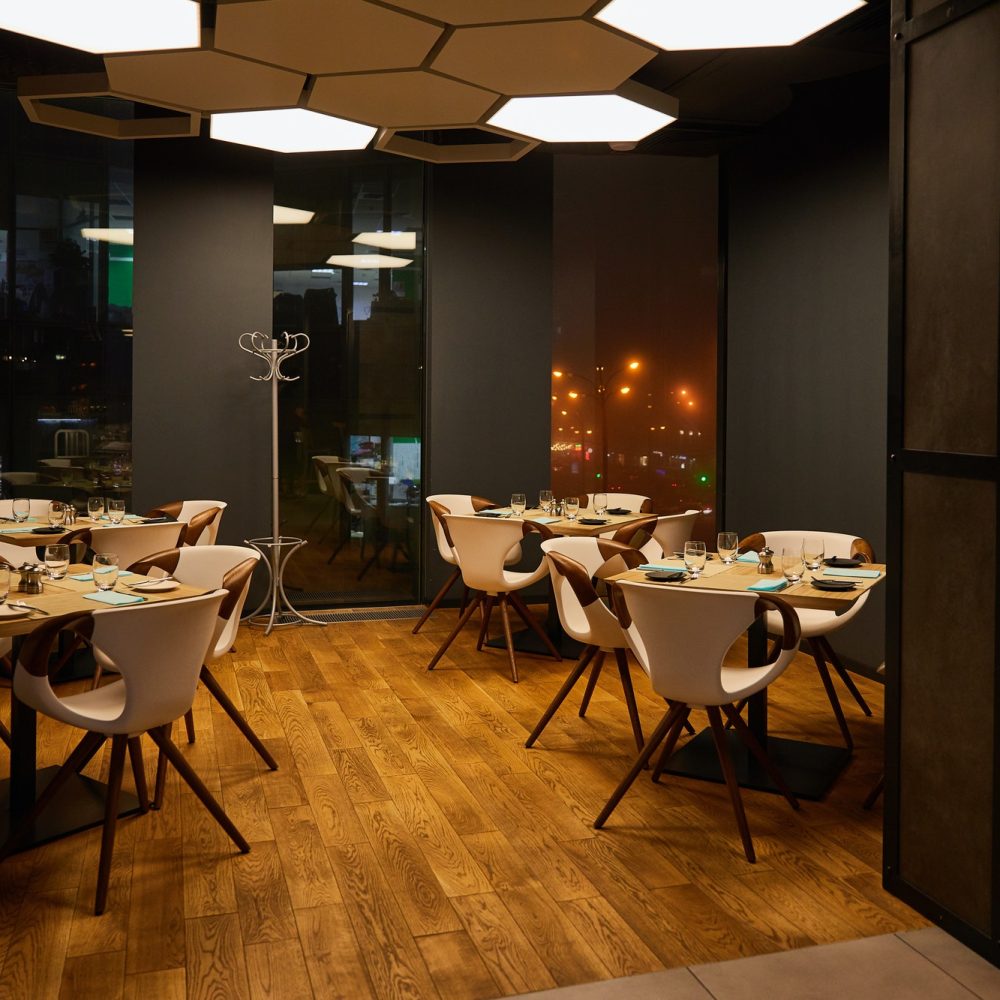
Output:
[[4, 583], [791, 563], [56, 561], [728, 544], [813, 552], [600, 504], [95, 508], [545, 500], [116, 511], [517, 504], [57, 513], [105, 570], [695, 554], [571, 505], [21, 508]]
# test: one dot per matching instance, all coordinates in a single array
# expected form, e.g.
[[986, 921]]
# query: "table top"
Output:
[[31, 539], [739, 576], [65, 596], [565, 526]]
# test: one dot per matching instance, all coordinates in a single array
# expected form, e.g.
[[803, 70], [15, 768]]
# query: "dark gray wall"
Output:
[[203, 275], [807, 327], [489, 333]]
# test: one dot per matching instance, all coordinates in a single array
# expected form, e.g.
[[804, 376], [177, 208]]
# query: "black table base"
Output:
[[79, 806], [809, 769]]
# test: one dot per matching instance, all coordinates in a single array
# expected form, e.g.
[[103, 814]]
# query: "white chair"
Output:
[[482, 545], [573, 564], [635, 502], [202, 518], [130, 542], [455, 503], [225, 567], [15, 555], [817, 625], [353, 507], [159, 648], [680, 638], [669, 535], [325, 468], [72, 443]]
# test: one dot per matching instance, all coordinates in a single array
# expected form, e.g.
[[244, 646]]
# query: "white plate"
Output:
[[153, 586], [7, 612]]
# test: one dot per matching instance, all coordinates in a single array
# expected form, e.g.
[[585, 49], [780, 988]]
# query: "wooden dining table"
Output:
[[809, 769], [80, 804]]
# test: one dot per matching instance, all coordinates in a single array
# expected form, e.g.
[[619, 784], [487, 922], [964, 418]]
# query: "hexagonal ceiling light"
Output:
[[723, 24], [106, 25], [628, 115], [290, 130]]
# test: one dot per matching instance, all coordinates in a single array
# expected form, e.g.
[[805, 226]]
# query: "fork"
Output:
[[20, 605]]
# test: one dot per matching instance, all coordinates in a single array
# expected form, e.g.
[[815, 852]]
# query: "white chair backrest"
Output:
[[591, 553], [482, 545], [835, 544], [588, 621], [131, 542], [629, 501], [36, 508], [457, 503], [325, 467], [681, 637], [670, 534], [191, 508], [158, 648]]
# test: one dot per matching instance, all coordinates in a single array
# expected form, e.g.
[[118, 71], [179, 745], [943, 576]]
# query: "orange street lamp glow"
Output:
[[573, 395], [684, 392], [625, 390], [557, 374], [690, 402], [633, 366], [563, 412]]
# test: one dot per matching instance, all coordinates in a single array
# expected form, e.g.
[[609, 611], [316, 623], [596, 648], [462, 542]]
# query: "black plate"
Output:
[[843, 563], [662, 577], [594, 520], [51, 530], [833, 584], [618, 510]]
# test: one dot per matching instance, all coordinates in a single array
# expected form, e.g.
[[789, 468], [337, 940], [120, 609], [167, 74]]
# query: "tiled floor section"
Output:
[[914, 965]]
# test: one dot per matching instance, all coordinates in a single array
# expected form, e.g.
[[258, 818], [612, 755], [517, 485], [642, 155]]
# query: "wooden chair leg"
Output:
[[641, 761], [138, 773], [729, 773], [575, 674], [170, 751], [160, 782], [872, 797], [112, 798], [740, 705], [532, 622], [508, 636], [844, 675], [438, 598], [189, 724], [216, 691], [4, 734], [633, 710], [484, 628], [595, 672], [462, 621], [745, 733], [670, 742], [831, 694]]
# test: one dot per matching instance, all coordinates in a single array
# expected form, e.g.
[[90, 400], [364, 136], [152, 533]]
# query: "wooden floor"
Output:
[[410, 846]]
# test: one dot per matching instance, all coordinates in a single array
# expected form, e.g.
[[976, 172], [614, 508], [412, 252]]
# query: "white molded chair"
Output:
[[325, 468], [159, 648], [680, 638], [817, 625], [130, 542], [669, 535], [202, 518], [482, 546], [573, 564], [455, 503], [634, 502]]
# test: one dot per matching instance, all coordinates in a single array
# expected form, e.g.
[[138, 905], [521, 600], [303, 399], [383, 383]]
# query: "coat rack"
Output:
[[278, 549]]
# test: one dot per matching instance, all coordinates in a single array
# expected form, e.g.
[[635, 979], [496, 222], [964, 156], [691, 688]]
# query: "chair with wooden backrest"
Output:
[[159, 648], [573, 565], [130, 542], [482, 546], [353, 506], [202, 518], [669, 534], [817, 625], [229, 568], [680, 638], [455, 503]]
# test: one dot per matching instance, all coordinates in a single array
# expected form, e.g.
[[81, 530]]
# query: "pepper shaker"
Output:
[[766, 565]]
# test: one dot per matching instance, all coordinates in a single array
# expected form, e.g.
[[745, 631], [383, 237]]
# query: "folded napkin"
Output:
[[113, 597], [13, 531], [658, 568], [768, 586], [490, 513], [83, 577], [618, 510], [865, 574], [547, 520], [748, 557]]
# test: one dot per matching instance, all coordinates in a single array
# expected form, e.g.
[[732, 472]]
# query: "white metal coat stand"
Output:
[[278, 549]]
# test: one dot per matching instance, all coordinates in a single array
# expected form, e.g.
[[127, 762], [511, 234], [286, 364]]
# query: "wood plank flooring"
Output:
[[410, 846]]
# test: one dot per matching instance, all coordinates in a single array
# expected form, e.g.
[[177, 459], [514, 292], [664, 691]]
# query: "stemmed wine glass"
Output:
[[518, 502], [695, 554], [728, 544]]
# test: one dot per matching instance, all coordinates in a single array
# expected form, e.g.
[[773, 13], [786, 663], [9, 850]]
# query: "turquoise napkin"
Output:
[[113, 597], [864, 574], [748, 557], [13, 531], [547, 520], [768, 586], [83, 577], [657, 568]]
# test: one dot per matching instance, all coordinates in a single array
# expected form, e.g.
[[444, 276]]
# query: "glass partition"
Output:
[[348, 271]]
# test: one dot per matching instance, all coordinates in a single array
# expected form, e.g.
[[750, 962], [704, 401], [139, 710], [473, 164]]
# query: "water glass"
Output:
[[106, 570], [116, 511], [56, 513], [571, 506], [791, 563], [21, 508], [95, 508], [728, 544], [56, 561], [4, 583], [518, 502], [695, 555], [545, 500], [813, 552], [600, 504]]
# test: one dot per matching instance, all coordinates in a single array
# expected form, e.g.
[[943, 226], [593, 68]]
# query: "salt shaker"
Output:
[[765, 566]]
